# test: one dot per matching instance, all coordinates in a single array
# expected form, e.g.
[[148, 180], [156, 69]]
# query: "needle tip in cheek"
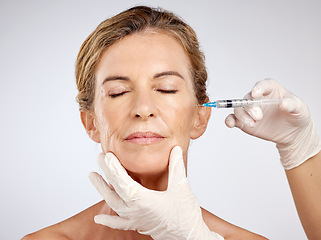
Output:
[[196, 105]]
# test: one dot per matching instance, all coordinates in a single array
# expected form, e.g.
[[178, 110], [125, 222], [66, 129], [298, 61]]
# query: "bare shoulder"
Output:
[[49, 233], [78, 227], [226, 229]]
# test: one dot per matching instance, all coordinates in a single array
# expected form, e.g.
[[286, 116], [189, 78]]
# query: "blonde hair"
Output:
[[131, 21]]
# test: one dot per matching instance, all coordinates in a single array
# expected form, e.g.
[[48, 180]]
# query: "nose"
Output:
[[144, 106]]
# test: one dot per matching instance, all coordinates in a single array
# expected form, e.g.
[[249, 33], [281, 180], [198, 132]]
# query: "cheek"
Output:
[[180, 120], [110, 123]]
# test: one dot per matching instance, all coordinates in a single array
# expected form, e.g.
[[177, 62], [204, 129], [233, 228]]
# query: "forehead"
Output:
[[147, 50]]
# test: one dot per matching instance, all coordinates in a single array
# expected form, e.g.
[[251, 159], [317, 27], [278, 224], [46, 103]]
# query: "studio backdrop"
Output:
[[46, 155]]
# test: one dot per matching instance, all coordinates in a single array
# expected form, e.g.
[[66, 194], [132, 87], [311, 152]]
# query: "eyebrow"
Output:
[[158, 75], [168, 73], [111, 78]]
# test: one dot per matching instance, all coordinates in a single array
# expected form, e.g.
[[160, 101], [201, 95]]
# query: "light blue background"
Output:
[[46, 155]]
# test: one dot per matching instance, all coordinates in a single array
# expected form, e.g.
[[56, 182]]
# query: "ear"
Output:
[[201, 119], [89, 122]]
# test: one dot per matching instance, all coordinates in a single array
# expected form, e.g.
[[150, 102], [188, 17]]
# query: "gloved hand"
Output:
[[289, 124], [172, 214]]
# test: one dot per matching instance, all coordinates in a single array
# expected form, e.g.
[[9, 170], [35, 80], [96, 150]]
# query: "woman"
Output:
[[141, 80]]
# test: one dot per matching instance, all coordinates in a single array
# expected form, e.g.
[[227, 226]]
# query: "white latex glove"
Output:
[[173, 214], [289, 124]]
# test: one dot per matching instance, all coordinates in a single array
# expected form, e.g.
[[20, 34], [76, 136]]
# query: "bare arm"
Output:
[[305, 184]]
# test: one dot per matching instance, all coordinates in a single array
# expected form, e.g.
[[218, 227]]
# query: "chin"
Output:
[[145, 161]]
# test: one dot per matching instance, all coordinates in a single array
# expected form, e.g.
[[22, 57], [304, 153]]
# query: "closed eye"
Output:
[[117, 94], [167, 91]]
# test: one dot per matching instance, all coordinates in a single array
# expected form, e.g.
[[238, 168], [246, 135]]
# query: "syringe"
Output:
[[235, 103]]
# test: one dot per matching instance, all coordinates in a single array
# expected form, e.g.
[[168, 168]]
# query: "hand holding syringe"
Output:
[[235, 103], [290, 126], [287, 123]]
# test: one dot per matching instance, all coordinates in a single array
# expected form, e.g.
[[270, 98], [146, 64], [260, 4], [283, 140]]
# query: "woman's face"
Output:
[[144, 103]]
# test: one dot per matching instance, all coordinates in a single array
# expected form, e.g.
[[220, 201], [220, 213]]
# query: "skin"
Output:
[[145, 93], [305, 184], [142, 89]]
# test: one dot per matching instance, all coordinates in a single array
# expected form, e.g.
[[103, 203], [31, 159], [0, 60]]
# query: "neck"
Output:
[[156, 182]]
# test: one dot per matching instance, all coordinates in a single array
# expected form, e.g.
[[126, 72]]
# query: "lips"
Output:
[[144, 138]]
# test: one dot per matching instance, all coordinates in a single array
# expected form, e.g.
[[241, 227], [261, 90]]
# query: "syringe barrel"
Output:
[[234, 103]]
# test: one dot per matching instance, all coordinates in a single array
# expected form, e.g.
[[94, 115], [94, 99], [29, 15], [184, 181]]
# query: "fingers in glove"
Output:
[[115, 222], [110, 196], [264, 88], [292, 105], [177, 172], [255, 113], [230, 121], [118, 177], [243, 117], [102, 164]]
